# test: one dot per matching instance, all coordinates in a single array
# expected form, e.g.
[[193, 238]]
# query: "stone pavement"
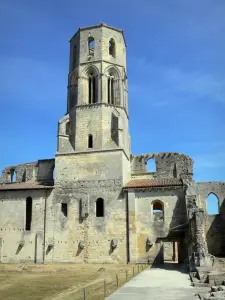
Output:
[[169, 281]]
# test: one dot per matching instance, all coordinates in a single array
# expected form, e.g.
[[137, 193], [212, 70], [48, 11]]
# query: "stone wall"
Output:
[[81, 179], [18, 244], [214, 229], [168, 164], [142, 224], [40, 171]]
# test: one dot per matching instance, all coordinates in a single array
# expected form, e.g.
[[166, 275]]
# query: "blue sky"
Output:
[[176, 75]]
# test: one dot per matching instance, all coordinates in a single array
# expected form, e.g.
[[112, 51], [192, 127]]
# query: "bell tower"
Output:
[[92, 163], [97, 111]]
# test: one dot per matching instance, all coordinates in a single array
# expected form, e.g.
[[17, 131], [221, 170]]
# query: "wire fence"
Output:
[[108, 286]]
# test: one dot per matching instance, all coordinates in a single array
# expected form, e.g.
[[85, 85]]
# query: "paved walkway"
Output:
[[169, 282]]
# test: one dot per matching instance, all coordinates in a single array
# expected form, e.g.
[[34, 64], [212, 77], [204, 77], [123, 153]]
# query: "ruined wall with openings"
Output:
[[168, 165], [145, 224], [214, 224], [40, 172]]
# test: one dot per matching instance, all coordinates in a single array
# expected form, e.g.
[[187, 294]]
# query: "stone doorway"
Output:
[[170, 252]]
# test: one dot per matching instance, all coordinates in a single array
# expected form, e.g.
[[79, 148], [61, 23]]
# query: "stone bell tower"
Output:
[[92, 162], [97, 115]]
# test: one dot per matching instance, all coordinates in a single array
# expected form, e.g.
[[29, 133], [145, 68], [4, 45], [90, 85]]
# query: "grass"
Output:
[[61, 282]]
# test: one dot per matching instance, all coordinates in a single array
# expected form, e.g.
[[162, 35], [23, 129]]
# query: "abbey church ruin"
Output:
[[96, 202]]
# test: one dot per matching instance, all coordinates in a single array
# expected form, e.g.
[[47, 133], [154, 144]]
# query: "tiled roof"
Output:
[[23, 186], [144, 183]]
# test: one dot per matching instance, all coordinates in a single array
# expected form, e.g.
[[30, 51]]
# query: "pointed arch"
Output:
[[113, 85], [212, 202], [91, 74]]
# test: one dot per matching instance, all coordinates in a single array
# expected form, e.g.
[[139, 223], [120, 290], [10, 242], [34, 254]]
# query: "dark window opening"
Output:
[[112, 92], [64, 209], [68, 128], [212, 204], [115, 129], [91, 45], [92, 89], [28, 213], [108, 90], [100, 207], [24, 176], [111, 89], [90, 141], [13, 175], [112, 48], [157, 211]]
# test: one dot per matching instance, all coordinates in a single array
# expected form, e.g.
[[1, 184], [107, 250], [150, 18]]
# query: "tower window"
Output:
[[100, 207], [68, 128], [114, 129], [74, 56], [64, 209], [112, 48], [111, 90], [92, 89], [28, 213], [91, 45], [90, 141], [113, 86]]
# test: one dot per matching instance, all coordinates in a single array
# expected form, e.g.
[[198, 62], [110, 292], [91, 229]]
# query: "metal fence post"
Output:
[[133, 271], [126, 275], [138, 268], [84, 293], [117, 280]]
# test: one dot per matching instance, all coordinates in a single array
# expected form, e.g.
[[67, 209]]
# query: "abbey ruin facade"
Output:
[[95, 202]]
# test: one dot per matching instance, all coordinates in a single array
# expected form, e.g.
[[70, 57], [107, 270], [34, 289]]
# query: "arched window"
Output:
[[13, 175], [113, 87], [212, 204], [151, 166], [112, 48], [28, 213], [157, 210], [92, 88], [91, 45], [90, 141], [99, 207]]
